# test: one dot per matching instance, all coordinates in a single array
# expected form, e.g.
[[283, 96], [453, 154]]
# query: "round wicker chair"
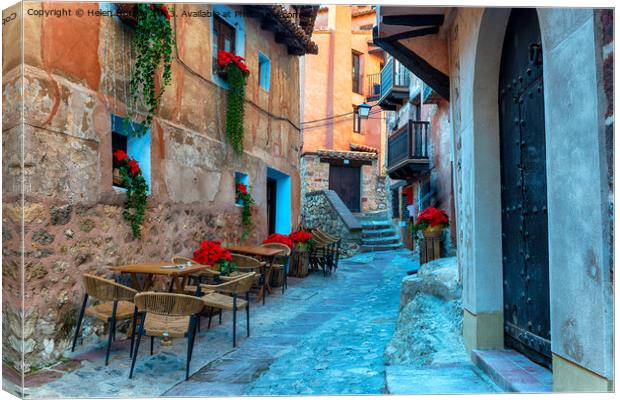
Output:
[[167, 314], [284, 261], [115, 303]]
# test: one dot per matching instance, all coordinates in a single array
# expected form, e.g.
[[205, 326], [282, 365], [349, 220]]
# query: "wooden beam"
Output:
[[413, 33], [416, 64], [414, 19]]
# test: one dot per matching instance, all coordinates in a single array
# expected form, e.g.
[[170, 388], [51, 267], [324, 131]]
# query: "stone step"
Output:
[[445, 378], [371, 233], [380, 240], [381, 247], [513, 372], [370, 225], [373, 216]]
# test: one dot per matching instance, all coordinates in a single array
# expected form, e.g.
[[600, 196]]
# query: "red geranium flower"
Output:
[[433, 216], [278, 238], [152, 6], [134, 167], [241, 188], [120, 155], [300, 236], [211, 252]]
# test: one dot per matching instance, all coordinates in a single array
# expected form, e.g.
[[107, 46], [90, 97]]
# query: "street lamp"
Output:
[[364, 110]]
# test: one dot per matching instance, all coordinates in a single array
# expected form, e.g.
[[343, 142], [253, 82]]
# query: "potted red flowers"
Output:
[[211, 252], [128, 175], [234, 70], [431, 221], [279, 238], [302, 240]]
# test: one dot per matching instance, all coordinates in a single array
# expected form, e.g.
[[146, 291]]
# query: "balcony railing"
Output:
[[373, 86], [395, 81], [408, 150]]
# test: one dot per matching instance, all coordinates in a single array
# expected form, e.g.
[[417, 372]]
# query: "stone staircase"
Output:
[[378, 233]]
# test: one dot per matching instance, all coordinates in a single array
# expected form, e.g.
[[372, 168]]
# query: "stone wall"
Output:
[[315, 176], [72, 214], [323, 209]]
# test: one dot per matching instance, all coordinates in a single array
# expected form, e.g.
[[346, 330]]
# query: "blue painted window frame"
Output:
[[235, 20], [138, 148], [264, 70]]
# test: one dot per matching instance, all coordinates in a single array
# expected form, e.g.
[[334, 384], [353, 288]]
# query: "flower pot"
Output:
[[432, 232], [117, 179], [299, 264]]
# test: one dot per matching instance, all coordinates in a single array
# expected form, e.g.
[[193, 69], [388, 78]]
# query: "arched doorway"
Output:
[[525, 255]]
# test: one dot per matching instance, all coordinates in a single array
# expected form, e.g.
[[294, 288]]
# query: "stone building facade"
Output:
[[461, 58], [342, 151], [75, 83]]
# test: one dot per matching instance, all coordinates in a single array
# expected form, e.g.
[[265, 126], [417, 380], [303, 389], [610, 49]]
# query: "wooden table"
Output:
[[155, 268], [268, 253]]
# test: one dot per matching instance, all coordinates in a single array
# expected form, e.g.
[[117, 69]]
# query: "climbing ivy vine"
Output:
[[153, 41]]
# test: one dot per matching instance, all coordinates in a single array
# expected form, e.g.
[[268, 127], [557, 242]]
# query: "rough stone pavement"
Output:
[[323, 336]]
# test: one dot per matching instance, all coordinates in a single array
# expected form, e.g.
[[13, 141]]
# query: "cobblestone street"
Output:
[[323, 336]]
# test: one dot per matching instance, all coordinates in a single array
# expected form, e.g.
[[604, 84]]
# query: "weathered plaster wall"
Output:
[[74, 222]]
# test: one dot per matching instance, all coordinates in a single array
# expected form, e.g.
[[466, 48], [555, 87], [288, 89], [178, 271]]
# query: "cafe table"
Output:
[[150, 269], [267, 253]]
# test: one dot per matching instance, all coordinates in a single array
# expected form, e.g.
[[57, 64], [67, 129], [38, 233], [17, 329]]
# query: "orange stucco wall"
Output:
[[328, 81]]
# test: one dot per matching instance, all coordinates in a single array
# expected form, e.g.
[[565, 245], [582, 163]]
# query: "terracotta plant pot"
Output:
[[117, 180], [432, 232]]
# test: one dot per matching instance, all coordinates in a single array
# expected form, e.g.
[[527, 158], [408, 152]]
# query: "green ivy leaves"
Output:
[[235, 106], [135, 205], [153, 40]]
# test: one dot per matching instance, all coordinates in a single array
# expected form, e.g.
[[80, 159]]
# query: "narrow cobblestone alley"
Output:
[[325, 335]]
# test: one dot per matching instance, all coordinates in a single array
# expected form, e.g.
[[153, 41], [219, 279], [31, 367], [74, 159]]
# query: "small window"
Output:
[[357, 121], [355, 72], [224, 37], [240, 177], [264, 71], [138, 148]]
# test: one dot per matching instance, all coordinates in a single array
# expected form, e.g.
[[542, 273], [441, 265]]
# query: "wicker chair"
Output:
[[250, 264], [225, 296], [326, 252], [115, 303], [198, 278], [284, 261], [167, 314]]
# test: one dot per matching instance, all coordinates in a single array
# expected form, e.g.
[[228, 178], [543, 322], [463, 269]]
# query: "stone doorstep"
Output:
[[513, 371], [444, 378]]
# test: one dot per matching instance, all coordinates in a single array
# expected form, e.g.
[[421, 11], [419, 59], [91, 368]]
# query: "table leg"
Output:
[[178, 284], [135, 282], [148, 282]]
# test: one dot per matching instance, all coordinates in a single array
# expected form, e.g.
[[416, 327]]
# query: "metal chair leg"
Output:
[[247, 312], [135, 351], [152, 341], [190, 345], [111, 328], [220, 314], [133, 330], [211, 310], [79, 322], [235, 320]]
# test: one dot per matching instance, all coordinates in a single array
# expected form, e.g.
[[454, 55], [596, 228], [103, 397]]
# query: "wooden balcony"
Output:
[[395, 81], [408, 155]]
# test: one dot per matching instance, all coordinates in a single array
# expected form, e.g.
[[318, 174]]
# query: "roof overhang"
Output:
[[414, 36]]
